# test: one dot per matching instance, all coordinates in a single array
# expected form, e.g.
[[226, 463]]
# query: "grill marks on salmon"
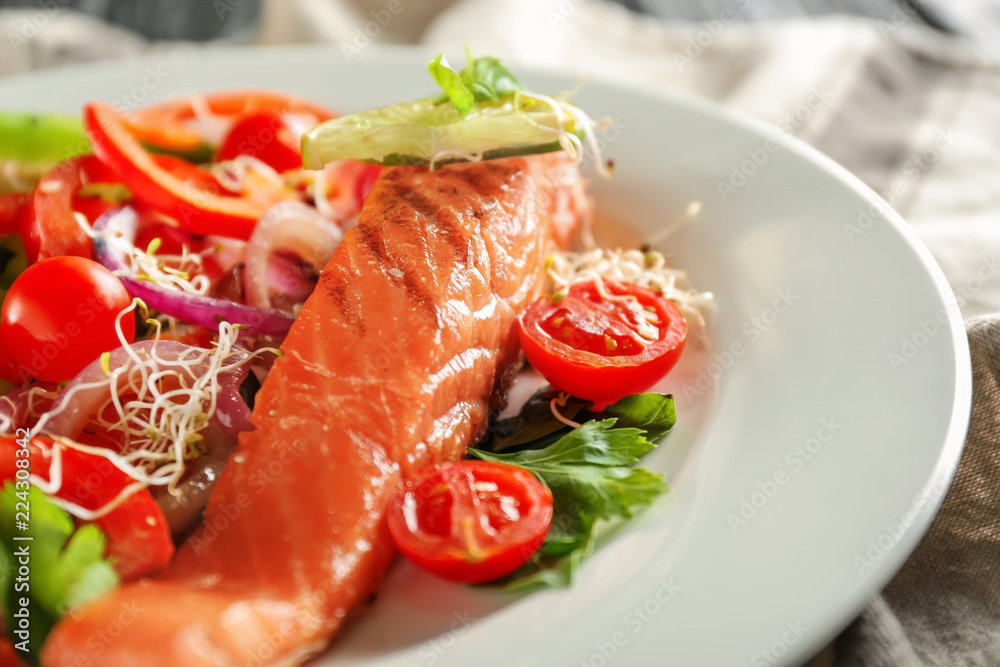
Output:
[[395, 361]]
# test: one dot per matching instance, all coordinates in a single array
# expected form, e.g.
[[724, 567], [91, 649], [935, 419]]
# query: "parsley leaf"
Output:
[[589, 471], [67, 566], [482, 80]]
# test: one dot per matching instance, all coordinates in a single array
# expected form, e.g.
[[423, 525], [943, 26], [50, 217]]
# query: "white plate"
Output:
[[835, 332]]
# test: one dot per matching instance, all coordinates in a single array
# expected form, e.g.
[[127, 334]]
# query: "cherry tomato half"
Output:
[[59, 316], [603, 349], [470, 521]]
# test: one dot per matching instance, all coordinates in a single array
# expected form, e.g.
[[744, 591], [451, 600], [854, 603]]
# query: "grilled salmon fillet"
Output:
[[396, 361]]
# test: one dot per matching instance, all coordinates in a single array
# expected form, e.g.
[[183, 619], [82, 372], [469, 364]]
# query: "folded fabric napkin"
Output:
[[912, 113]]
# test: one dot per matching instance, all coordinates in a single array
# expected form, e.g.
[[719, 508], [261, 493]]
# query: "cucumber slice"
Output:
[[419, 132]]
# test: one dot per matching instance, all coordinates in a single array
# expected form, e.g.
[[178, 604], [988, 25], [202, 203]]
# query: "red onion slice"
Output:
[[196, 309], [292, 228]]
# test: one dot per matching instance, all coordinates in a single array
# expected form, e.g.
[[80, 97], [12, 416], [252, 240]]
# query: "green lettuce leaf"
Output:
[[67, 565]]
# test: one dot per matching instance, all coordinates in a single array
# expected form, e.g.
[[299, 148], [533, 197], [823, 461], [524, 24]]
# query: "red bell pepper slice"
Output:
[[266, 136], [193, 175], [183, 199], [139, 541], [48, 226], [165, 125], [12, 208]]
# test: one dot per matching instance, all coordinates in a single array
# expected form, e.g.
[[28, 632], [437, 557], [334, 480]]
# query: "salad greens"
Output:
[[590, 471], [66, 565]]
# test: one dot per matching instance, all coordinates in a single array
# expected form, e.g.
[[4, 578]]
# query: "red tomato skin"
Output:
[[598, 378], [139, 540], [199, 211], [437, 545], [59, 316], [266, 136]]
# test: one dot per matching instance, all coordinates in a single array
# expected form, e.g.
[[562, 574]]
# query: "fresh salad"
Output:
[[152, 262]]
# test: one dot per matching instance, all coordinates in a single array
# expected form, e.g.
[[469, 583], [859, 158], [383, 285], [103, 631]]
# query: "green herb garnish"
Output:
[[483, 80], [590, 471]]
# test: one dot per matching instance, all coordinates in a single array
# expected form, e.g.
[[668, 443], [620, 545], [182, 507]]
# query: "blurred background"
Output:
[[287, 20], [66, 29]]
